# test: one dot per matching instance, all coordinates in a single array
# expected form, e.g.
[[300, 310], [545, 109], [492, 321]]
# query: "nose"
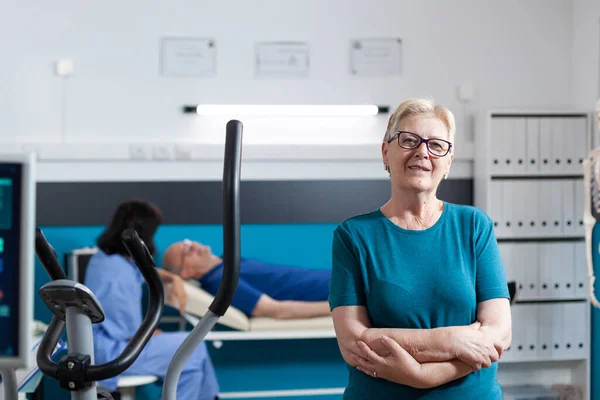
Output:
[[422, 150], [202, 249]]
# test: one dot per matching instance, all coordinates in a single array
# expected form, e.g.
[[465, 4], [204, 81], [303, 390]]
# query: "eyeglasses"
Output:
[[410, 141], [187, 245]]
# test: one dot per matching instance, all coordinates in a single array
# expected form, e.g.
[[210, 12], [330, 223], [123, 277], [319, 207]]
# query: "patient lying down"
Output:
[[264, 290]]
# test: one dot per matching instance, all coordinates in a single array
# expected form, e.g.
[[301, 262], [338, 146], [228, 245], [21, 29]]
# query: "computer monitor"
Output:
[[17, 237]]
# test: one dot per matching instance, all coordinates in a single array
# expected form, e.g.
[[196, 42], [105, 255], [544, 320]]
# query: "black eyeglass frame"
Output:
[[421, 140]]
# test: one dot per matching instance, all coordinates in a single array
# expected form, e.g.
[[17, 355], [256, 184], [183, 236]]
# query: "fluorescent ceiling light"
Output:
[[285, 110]]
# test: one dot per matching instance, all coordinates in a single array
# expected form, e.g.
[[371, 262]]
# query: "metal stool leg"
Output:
[[127, 393]]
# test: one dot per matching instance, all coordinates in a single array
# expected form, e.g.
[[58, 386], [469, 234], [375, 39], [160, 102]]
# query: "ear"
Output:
[[384, 150], [450, 162]]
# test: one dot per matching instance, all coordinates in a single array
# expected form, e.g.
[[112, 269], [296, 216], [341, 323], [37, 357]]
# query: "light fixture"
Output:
[[285, 110]]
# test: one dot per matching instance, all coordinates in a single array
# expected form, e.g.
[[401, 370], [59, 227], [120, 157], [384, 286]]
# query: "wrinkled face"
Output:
[[195, 258], [418, 169]]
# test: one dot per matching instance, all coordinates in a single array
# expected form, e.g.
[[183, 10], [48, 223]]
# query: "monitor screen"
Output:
[[10, 231], [17, 236]]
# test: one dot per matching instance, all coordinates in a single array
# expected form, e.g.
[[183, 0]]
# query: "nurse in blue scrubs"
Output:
[[117, 283]]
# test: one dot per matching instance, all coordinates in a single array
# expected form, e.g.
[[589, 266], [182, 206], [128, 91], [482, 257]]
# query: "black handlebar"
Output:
[[145, 263], [47, 256], [47, 346], [231, 218]]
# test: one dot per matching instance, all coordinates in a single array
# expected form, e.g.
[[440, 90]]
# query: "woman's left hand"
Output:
[[396, 366]]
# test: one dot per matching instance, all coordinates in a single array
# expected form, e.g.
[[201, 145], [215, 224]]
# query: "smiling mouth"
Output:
[[419, 169]]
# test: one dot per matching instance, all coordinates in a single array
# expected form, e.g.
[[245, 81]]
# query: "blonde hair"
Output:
[[424, 107]]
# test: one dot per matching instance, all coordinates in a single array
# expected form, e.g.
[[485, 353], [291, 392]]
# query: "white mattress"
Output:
[[198, 301]]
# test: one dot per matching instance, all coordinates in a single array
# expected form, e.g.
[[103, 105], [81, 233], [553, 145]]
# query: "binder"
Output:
[[533, 145], [528, 255], [546, 271], [568, 200], [496, 207], [499, 149], [573, 344], [530, 332], [558, 142], [559, 334], [508, 208], [579, 200], [581, 273], [565, 270], [555, 204], [579, 143], [545, 337], [520, 207], [571, 143], [546, 145], [518, 145]]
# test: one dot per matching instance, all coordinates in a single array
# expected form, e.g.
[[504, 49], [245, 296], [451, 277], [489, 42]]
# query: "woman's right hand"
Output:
[[474, 347]]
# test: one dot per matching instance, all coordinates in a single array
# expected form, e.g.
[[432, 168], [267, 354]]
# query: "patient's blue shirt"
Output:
[[281, 282]]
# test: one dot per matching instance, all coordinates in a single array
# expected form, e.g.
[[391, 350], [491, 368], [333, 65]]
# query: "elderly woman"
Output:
[[418, 292]]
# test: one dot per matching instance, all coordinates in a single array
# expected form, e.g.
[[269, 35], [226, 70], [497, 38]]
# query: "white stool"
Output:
[[127, 384]]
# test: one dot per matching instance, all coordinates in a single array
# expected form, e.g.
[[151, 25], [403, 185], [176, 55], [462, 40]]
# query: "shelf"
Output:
[[557, 238], [550, 301], [529, 169], [521, 239], [535, 176], [543, 359]]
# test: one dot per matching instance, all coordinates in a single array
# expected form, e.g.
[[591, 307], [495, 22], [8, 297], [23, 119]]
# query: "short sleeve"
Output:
[[490, 277], [112, 290], [346, 287], [246, 297]]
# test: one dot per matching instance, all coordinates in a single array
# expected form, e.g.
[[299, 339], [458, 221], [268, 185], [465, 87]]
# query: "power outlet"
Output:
[[466, 92], [139, 152], [183, 152], [162, 152], [63, 68]]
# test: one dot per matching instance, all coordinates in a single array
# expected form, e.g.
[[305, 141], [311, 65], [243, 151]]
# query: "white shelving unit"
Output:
[[528, 177]]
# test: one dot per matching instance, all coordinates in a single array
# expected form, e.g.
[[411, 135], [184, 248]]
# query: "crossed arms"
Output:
[[423, 358]]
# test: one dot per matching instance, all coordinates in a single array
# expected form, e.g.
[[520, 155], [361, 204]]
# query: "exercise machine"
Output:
[[231, 259], [17, 223], [75, 306]]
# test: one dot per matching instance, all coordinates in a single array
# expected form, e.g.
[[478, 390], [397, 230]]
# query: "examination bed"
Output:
[[241, 327]]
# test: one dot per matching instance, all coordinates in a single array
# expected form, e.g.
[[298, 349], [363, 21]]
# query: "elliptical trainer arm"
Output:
[[231, 259], [231, 219], [47, 257]]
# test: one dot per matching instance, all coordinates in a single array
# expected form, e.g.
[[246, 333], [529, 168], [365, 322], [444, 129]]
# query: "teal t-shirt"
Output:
[[419, 279]]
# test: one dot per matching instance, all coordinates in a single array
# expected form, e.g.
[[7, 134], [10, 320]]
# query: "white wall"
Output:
[[586, 53], [516, 54]]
